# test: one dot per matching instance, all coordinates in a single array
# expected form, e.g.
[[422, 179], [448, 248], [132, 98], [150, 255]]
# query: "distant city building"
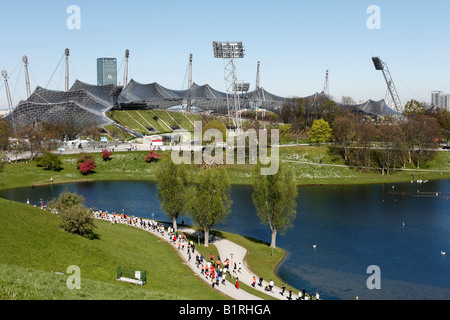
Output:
[[106, 71], [440, 99]]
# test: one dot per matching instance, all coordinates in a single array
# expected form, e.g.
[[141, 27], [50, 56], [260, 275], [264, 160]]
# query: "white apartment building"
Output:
[[440, 99]]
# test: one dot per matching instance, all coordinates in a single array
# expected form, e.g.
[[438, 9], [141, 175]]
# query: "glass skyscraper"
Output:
[[106, 71]]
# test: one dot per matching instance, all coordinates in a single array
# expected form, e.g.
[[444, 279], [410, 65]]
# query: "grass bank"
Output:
[[311, 165], [35, 249]]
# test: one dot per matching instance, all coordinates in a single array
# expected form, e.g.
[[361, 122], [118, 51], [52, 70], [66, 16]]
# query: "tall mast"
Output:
[[8, 94], [125, 77], [326, 85], [258, 76], [190, 70], [27, 77], [67, 53], [189, 102]]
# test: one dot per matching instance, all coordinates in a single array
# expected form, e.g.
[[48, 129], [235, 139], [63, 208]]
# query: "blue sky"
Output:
[[296, 42]]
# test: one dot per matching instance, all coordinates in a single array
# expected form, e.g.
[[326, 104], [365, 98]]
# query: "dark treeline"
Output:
[[364, 141]]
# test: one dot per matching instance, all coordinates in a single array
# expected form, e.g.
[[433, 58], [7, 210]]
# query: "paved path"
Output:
[[225, 249]]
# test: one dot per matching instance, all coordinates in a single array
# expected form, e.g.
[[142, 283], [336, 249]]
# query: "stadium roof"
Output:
[[86, 104]]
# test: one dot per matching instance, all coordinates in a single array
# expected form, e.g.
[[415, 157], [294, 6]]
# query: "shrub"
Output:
[[84, 157], [75, 217], [87, 167], [78, 220], [49, 161], [152, 156], [106, 155]]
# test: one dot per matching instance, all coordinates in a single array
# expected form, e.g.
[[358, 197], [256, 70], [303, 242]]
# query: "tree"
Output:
[[75, 217], [172, 183], [344, 132], [320, 132], [152, 156], [87, 167], [84, 157], [428, 136], [107, 155], [444, 122], [49, 161], [274, 198], [5, 132], [65, 200], [208, 201], [414, 108], [78, 220]]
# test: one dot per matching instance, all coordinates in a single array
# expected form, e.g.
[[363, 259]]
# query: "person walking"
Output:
[[283, 288], [237, 283]]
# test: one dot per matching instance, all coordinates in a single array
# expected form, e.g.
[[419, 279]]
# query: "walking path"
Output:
[[226, 249]]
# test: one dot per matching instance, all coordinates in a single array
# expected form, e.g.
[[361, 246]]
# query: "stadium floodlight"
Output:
[[378, 63], [242, 86], [391, 90], [229, 51]]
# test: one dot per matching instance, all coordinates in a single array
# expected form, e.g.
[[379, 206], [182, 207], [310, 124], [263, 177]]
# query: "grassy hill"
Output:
[[34, 249]]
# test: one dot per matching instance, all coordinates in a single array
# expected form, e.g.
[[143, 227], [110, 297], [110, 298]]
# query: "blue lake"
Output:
[[354, 227]]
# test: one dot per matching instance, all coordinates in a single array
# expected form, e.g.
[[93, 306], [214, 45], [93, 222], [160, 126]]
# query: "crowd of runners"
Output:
[[214, 269]]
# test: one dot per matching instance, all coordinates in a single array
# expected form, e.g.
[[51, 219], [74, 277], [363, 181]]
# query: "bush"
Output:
[[152, 156], [106, 155], [78, 220], [84, 157], [87, 167], [49, 161], [75, 217]]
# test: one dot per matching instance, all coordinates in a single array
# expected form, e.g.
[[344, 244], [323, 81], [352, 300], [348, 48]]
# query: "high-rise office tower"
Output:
[[106, 71]]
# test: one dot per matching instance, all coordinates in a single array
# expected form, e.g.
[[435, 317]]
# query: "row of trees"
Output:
[[389, 144], [205, 197]]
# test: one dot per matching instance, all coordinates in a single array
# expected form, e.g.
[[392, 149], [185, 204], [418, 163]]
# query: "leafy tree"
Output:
[[208, 201], [152, 156], [414, 108], [172, 184], [84, 157], [274, 198], [49, 161], [320, 132], [344, 133], [5, 133], [87, 167], [78, 220], [444, 122], [75, 217], [106, 155]]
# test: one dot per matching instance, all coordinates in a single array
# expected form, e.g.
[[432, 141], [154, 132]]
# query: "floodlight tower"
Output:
[[258, 78], [229, 52], [189, 102], [27, 77], [326, 87], [381, 65], [8, 94], [125, 74], [67, 53]]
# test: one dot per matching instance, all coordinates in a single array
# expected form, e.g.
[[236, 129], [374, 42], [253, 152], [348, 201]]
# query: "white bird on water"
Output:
[[314, 246], [443, 252]]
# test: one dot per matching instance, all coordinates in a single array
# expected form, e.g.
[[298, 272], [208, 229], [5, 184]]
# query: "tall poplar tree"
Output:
[[209, 200], [172, 183], [274, 197]]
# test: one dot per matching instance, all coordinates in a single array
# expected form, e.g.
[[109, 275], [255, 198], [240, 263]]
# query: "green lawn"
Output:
[[34, 248]]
